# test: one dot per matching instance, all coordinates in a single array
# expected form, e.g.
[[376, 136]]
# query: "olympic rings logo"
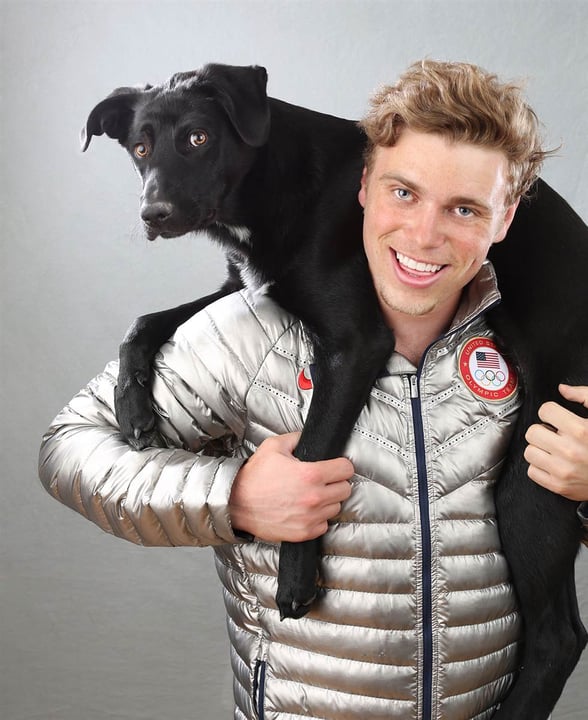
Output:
[[489, 378], [485, 372]]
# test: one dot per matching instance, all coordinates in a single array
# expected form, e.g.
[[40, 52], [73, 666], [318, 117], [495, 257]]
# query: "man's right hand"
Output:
[[277, 497]]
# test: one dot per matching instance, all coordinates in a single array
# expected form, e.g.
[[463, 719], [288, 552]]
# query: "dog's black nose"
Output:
[[156, 213]]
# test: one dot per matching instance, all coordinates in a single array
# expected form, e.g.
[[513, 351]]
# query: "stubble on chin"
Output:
[[413, 307]]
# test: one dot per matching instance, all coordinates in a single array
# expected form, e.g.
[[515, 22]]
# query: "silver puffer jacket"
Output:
[[418, 621]]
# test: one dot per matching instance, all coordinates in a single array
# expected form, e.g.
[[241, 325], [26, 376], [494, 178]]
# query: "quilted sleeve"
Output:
[[176, 491], [167, 494]]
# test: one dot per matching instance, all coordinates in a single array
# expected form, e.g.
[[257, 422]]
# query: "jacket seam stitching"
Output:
[[278, 393], [486, 587], [341, 692], [485, 685], [484, 624]]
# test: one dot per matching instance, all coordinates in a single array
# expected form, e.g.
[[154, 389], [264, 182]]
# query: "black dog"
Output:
[[277, 185]]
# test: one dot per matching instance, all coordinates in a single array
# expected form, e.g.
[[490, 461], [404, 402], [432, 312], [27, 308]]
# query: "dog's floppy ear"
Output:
[[242, 93], [113, 115]]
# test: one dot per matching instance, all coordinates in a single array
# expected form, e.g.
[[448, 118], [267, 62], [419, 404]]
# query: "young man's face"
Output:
[[432, 209]]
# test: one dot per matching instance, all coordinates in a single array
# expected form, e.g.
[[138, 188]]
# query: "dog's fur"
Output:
[[277, 185]]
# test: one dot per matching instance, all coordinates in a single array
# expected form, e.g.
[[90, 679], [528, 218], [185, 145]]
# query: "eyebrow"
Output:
[[453, 202]]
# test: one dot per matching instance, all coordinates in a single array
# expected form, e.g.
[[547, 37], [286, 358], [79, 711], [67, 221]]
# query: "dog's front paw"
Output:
[[134, 413], [294, 603], [297, 578]]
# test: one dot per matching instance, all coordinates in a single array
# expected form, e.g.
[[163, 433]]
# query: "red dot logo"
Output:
[[304, 379]]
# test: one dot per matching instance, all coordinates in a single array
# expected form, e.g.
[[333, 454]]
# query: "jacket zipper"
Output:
[[424, 512], [259, 688], [425, 517]]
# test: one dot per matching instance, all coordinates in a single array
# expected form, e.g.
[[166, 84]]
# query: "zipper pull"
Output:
[[414, 386]]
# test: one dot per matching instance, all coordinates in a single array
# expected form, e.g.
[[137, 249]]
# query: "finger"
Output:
[[316, 531], [335, 470], [545, 461], [555, 484], [543, 437], [575, 393], [538, 475], [541, 477], [564, 421], [564, 448], [541, 467], [337, 492], [332, 510]]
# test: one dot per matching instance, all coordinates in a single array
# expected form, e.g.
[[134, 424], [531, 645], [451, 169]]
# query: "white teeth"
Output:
[[419, 266]]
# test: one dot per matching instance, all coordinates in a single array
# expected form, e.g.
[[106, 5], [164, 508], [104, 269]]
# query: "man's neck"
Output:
[[414, 333], [412, 345]]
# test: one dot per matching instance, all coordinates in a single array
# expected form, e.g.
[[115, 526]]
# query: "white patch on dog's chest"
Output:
[[239, 233], [239, 253], [251, 278]]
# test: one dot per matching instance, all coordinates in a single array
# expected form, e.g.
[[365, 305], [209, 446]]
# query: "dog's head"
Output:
[[192, 140]]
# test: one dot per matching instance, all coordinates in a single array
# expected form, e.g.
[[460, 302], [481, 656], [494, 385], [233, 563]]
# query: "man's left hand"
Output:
[[558, 447]]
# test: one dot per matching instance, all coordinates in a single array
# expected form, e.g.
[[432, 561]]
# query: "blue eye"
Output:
[[464, 212], [402, 193]]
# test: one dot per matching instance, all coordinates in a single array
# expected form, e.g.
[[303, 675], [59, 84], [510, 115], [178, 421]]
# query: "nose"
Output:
[[156, 213], [427, 228]]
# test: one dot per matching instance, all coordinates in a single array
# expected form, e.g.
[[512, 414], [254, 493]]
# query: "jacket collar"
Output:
[[478, 296]]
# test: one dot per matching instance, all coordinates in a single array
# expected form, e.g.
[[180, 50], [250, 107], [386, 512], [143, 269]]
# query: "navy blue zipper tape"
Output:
[[419, 439], [259, 688], [425, 516]]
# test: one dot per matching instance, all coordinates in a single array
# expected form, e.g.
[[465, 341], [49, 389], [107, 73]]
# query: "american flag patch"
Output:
[[487, 359], [485, 372]]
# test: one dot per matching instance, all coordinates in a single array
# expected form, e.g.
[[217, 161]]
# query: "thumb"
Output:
[[286, 443], [332, 470], [575, 393]]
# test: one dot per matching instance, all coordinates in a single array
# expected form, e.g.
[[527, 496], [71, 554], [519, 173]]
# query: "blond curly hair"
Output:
[[465, 103]]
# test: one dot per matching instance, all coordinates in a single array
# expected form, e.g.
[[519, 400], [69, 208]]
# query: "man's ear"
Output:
[[509, 214], [362, 190]]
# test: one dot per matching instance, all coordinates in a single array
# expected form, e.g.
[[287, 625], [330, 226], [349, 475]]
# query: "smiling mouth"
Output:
[[415, 267]]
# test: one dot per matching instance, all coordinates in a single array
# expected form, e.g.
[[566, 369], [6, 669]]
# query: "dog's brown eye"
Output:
[[141, 150], [197, 138]]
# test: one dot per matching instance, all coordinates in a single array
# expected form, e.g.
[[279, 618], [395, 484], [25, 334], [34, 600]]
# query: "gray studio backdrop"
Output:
[[91, 627]]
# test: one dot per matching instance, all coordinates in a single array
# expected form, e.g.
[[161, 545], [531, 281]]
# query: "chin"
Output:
[[411, 306]]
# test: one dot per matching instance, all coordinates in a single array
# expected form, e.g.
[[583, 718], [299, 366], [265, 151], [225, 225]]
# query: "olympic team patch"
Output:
[[485, 372]]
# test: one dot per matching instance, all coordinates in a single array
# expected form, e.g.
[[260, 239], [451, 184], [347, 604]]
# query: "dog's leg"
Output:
[[136, 353], [552, 647], [539, 530], [345, 370], [540, 536]]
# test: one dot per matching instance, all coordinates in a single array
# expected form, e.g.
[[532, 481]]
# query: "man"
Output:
[[417, 609]]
